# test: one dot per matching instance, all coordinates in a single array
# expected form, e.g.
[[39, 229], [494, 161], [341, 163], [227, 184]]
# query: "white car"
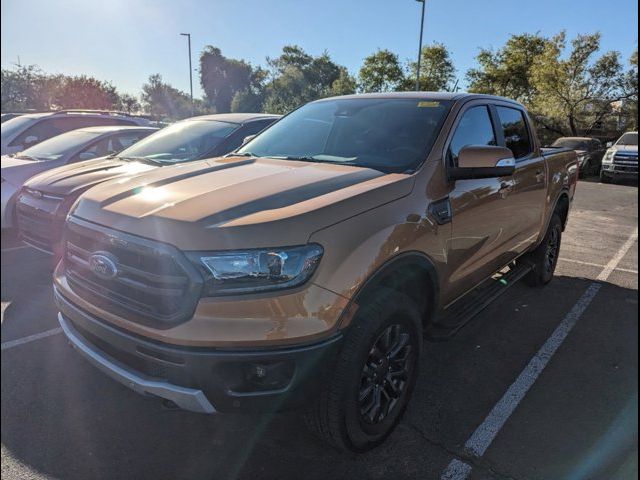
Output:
[[20, 133], [621, 159], [75, 146]]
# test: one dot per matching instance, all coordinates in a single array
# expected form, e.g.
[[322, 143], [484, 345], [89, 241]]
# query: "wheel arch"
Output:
[[412, 273]]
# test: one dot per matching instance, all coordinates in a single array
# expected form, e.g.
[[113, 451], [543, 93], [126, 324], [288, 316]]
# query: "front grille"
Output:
[[629, 160], [37, 225], [154, 285]]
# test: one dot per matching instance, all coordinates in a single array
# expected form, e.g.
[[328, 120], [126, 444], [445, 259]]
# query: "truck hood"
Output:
[[16, 171], [78, 177], [625, 148], [229, 203]]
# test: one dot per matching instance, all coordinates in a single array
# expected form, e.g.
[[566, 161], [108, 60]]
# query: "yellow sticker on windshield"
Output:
[[428, 104]]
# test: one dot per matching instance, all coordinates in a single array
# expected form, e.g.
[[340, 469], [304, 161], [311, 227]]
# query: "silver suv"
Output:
[[27, 130]]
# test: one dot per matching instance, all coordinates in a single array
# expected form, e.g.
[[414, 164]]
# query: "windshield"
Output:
[[181, 142], [573, 144], [15, 125], [387, 134], [628, 139], [58, 146]]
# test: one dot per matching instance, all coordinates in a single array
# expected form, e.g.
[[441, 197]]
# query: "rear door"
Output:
[[528, 199]]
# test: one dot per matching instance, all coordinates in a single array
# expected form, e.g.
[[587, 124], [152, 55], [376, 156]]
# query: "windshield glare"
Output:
[[572, 144], [628, 139], [387, 134], [181, 142], [57, 147]]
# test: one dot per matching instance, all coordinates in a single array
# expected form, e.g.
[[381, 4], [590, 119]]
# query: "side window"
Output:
[[516, 134], [474, 128], [42, 130], [107, 146], [98, 149], [125, 140], [251, 128]]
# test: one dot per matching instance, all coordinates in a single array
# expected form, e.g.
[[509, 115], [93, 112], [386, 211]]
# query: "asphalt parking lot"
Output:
[[61, 418]]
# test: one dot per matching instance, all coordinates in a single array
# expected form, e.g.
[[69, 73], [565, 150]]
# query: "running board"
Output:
[[451, 320]]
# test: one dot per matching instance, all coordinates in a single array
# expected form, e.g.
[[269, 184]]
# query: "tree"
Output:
[[575, 92], [507, 72], [23, 88], [84, 92], [437, 72], [251, 99], [298, 78], [129, 104], [163, 100], [381, 72], [630, 87], [345, 84], [222, 78]]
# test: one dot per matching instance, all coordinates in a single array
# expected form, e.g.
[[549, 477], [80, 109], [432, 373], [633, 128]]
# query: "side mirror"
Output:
[[609, 144], [481, 161], [247, 139], [30, 140]]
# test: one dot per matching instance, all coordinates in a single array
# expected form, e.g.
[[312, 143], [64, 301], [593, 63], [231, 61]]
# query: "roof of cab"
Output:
[[238, 118], [443, 96]]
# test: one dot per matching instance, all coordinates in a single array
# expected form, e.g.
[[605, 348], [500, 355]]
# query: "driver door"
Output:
[[480, 207]]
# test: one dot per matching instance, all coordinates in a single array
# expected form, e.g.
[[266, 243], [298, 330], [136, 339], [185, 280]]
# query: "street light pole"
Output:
[[188, 35], [420, 45]]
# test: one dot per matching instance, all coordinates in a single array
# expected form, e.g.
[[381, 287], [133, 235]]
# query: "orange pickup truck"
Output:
[[304, 270]]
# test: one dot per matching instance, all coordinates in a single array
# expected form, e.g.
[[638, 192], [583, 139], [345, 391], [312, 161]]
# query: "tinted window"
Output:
[[388, 134], [15, 125], [251, 128], [571, 143], [516, 134], [58, 146], [474, 128], [108, 145]]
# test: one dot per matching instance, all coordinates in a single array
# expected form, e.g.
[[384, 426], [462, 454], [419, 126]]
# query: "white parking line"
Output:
[[30, 338], [484, 435], [613, 263], [591, 264]]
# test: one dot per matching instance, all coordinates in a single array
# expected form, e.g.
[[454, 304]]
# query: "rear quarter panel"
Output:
[[562, 171]]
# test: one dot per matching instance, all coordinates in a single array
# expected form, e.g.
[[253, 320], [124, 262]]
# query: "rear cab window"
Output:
[[516, 132]]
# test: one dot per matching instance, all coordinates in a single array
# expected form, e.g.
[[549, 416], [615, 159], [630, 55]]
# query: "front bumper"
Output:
[[617, 170], [203, 380]]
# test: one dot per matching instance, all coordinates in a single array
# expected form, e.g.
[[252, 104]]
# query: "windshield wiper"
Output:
[[27, 157], [243, 154], [141, 159]]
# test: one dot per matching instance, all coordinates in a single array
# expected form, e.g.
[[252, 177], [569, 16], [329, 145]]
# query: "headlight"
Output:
[[608, 157], [259, 270]]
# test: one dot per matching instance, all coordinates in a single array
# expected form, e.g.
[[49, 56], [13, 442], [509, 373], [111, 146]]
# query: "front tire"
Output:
[[545, 257], [367, 391]]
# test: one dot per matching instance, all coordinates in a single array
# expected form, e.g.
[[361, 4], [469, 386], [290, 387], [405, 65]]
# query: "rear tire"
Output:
[[545, 257], [366, 392]]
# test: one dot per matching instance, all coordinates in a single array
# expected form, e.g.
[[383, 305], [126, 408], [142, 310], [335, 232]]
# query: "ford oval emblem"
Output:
[[103, 265]]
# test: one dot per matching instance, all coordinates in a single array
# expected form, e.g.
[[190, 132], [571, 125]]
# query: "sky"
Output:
[[125, 41]]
